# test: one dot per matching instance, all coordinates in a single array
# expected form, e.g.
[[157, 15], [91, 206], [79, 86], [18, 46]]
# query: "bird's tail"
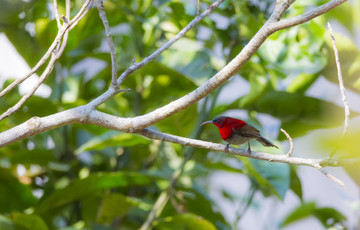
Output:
[[265, 142]]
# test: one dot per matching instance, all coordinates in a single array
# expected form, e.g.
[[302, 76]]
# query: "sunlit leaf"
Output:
[[188, 221]]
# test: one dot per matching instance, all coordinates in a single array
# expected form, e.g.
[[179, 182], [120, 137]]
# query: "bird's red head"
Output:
[[226, 125]]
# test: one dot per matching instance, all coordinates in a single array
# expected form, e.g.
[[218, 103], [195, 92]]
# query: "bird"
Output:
[[237, 132]]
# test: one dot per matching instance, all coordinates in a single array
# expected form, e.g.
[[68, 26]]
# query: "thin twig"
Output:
[[341, 82], [101, 9], [331, 177], [291, 150], [67, 9], [83, 11], [342, 89], [57, 17], [197, 7]]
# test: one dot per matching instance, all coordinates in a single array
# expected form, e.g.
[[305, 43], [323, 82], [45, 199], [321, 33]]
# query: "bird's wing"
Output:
[[247, 131], [251, 132]]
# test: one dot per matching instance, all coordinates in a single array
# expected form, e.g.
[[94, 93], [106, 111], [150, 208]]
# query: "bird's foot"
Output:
[[249, 149], [227, 148]]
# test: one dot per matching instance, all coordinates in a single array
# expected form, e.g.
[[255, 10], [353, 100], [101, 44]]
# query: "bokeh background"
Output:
[[87, 177]]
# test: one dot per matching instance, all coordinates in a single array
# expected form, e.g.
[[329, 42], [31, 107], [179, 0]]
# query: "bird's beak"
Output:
[[207, 122]]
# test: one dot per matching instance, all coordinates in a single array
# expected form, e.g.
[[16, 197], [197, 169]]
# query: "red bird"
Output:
[[237, 132]]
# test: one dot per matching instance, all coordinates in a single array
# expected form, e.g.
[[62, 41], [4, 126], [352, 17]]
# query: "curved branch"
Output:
[[291, 149]]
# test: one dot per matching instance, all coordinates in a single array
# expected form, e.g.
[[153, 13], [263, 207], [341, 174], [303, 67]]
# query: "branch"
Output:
[[331, 177], [100, 7], [315, 163], [57, 14], [37, 125]]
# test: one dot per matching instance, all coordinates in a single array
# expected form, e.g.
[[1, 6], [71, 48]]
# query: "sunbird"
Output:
[[236, 132]]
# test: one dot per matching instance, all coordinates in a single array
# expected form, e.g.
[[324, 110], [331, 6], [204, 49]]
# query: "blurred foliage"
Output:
[[87, 177]]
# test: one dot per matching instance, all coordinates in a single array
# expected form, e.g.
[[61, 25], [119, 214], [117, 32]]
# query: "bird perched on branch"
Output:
[[237, 132]]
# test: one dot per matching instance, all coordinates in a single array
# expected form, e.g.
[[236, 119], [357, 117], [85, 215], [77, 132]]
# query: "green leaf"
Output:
[[112, 138], [301, 83], [295, 183], [200, 203], [114, 205], [81, 188], [272, 177], [13, 194], [327, 216], [28, 222], [302, 211], [187, 221]]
